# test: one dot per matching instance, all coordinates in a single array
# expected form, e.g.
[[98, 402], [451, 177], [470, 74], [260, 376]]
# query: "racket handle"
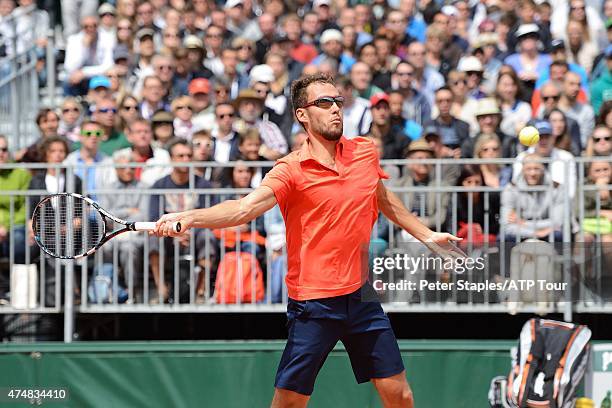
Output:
[[150, 226]]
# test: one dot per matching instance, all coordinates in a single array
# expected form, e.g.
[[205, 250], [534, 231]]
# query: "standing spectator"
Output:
[[12, 208], [154, 160], [561, 160], [182, 108], [250, 107], [69, 126], [357, 113], [515, 112], [179, 178], [105, 114], [582, 113], [426, 79], [87, 55], [393, 139], [454, 132], [91, 165]]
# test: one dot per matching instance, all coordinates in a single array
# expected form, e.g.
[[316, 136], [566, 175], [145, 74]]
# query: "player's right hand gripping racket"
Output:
[[71, 226]]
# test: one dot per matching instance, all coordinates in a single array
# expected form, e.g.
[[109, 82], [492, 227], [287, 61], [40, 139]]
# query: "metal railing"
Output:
[[121, 277], [19, 78]]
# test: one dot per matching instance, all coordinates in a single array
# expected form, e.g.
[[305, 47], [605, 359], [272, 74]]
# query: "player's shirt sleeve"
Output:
[[280, 180]]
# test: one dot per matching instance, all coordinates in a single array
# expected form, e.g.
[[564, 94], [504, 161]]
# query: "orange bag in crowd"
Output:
[[235, 279]]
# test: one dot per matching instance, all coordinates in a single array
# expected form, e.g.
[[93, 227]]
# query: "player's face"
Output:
[[326, 122]]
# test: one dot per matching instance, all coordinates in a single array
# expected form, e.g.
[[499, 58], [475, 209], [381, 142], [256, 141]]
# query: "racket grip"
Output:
[[150, 226]]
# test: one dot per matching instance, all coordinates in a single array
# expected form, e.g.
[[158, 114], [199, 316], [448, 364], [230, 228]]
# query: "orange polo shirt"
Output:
[[329, 217]]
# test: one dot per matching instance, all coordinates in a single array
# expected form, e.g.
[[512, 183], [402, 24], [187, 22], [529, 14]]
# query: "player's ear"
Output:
[[300, 114]]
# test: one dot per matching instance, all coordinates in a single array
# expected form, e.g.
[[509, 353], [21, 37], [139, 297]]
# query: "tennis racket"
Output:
[[72, 226]]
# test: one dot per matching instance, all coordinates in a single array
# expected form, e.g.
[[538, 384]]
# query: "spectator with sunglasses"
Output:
[[182, 108], [70, 121], [89, 161], [105, 114], [600, 143]]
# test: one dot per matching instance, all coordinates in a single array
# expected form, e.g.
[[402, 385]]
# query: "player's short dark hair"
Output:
[[299, 96]]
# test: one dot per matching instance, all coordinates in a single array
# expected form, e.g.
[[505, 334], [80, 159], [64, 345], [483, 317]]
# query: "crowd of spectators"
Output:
[[160, 81]]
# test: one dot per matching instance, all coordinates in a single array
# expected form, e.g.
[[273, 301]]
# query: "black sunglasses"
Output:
[[599, 139], [553, 97], [326, 102], [4, 149]]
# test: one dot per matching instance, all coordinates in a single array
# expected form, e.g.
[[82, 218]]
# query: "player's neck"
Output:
[[322, 149]]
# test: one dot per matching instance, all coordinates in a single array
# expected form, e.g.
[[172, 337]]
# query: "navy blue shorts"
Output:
[[315, 326]]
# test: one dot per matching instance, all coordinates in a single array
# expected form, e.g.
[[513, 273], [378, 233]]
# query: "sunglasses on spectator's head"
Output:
[[89, 133], [326, 102]]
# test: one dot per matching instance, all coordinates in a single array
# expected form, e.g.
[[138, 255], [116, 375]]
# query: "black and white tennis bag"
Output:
[[547, 366]]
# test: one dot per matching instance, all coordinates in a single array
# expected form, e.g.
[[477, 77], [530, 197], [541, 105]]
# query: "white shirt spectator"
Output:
[[560, 159], [95, 60], [357, 118]]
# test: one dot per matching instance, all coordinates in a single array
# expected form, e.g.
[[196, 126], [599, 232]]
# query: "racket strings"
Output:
[[68, 226]]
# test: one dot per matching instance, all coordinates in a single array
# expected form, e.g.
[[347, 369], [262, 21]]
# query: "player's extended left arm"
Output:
[[393, 208]]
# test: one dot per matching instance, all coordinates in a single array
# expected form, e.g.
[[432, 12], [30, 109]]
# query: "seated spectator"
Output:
[[582, 113], [560, 159], [426, 79], [331, 47], [561, 132], [179, 178], [128, 204], [515, 112], [203, 148], [582, 49], [488, 146], [477, 221], [484, 49], [598, 203], [422, 204], [464, 106], [12, 208], [416, 106], [182, 108], [393, 138], [600, 142], [152, 97], [163, 128], [600, 88], [551, 95], [250, 106], [357, 114], [128, 112], [99, 87], [225, 138], [203, 110], [408, 126], [249, 146], [455, 133], [71, 117], [91, 165], [276, 106], [488, 117], [86, 56], [53, 152], [154, 160], [448, 172], [528, 62], [531, 214], [474, 72], [361, 78], [47, 121], [105, 114]]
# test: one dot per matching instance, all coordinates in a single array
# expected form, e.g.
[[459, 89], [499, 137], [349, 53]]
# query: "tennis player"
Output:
[[329, 193]]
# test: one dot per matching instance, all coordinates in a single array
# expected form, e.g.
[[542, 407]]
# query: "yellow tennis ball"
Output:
[[529, 136]]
